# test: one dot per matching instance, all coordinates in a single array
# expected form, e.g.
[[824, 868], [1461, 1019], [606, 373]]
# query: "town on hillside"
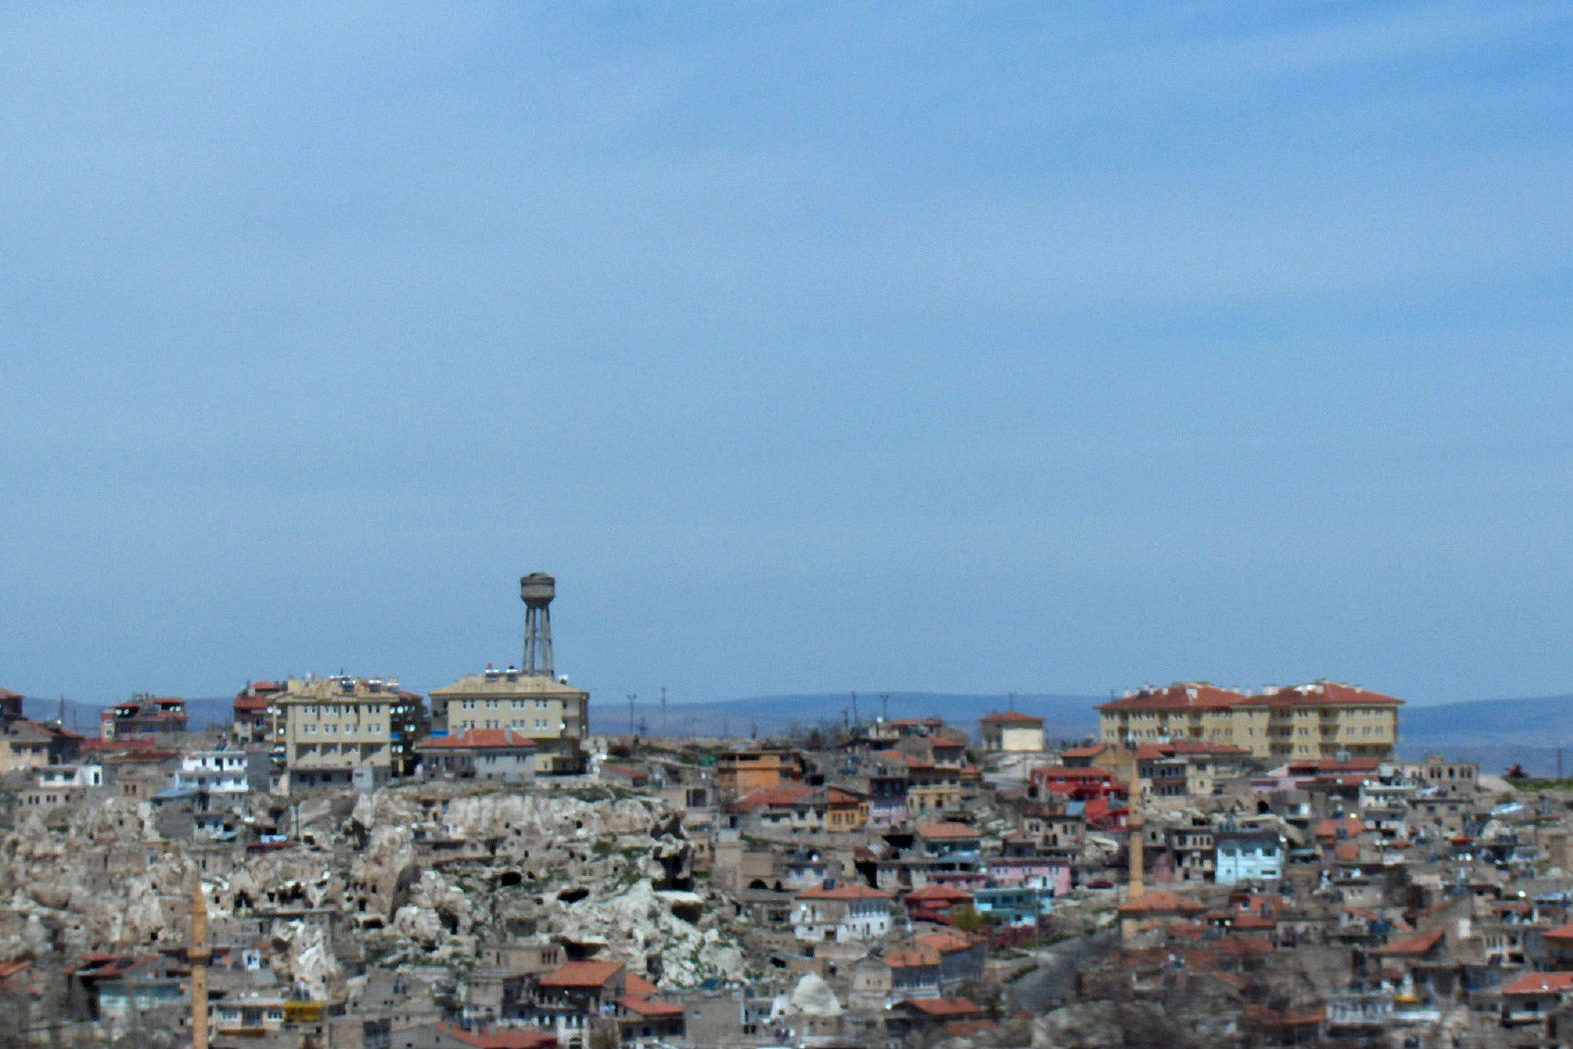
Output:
[[349, 865]]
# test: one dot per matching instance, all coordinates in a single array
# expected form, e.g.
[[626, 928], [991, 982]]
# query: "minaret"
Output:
[[1134, 822], [199, 954]]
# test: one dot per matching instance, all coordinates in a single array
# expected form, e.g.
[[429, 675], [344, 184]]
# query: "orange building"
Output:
[[744, 771]]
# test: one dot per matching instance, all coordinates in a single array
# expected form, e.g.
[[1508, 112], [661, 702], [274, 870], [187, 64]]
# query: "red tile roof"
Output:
[[123, 744], [1194, 695], [837, 796], [1011, 717], [1184, 695], [1561, 932], [843, 891], [765, 797], [636, 1003], [1322, 693], [1420, 943], [937, 894], [1540, 983], [946, 831], [1252, 921], [1176, 747], [1157, 901], [1330, 828], [1265, 1017], [946, 941], [582, 974], [500, 1037], [911, 958], [944, 1006], [637, 985]]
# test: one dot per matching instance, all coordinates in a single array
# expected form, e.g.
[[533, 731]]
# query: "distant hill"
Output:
[[1064, 717], [1495, 733]]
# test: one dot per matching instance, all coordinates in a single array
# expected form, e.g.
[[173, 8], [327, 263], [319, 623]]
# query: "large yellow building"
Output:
[[338, 728], [553, 715], [1321, 720]]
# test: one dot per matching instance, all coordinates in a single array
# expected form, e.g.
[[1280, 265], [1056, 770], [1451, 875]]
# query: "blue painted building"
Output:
[[1247, 856]]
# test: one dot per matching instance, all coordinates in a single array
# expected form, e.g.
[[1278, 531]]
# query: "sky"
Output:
[[812, 347]]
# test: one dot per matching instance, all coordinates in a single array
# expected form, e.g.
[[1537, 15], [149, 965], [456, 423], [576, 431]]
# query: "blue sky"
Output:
[[812, 347]]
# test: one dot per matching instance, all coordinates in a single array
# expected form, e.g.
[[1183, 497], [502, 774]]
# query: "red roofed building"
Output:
[[143, 715], [1322, 719], [1533, 997], [1419, 945], [842, 913], [568, 998], [1075, 784], [478, 753], [255, 717], [1156, 903], [14, 977], [1187, 767], [499, 1037], [934, 902], [918, 1015], [644, 1017]]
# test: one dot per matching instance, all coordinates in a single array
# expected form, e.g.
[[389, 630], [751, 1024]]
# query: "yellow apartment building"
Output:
[[337, 728], [1321, 720], [553, 715]]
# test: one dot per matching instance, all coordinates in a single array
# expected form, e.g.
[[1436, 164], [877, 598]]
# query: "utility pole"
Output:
[[631, 697], [663, 711], [1013, 701], [884, 706], [854, 707]]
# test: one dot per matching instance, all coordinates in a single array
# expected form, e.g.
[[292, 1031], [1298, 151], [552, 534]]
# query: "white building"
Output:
[[841, 913], [214, 772]]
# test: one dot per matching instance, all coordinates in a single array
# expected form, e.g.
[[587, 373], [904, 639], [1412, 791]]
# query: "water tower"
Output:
[[536, 590]]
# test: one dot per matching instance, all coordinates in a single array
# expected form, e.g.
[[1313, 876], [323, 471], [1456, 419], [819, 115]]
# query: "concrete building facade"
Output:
[[1011, 732], [343, 731], [1321, 720], [548, 712]]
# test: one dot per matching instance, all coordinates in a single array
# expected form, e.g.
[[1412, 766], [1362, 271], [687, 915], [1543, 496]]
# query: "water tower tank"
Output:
[[537, 589]]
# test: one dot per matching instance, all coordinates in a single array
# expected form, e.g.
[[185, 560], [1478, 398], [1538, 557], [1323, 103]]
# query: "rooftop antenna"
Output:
[[536, 590], [854, 707], [631, 697], [884, 706]]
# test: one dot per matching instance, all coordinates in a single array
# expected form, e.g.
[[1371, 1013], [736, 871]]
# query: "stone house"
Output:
[[841, 913]]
